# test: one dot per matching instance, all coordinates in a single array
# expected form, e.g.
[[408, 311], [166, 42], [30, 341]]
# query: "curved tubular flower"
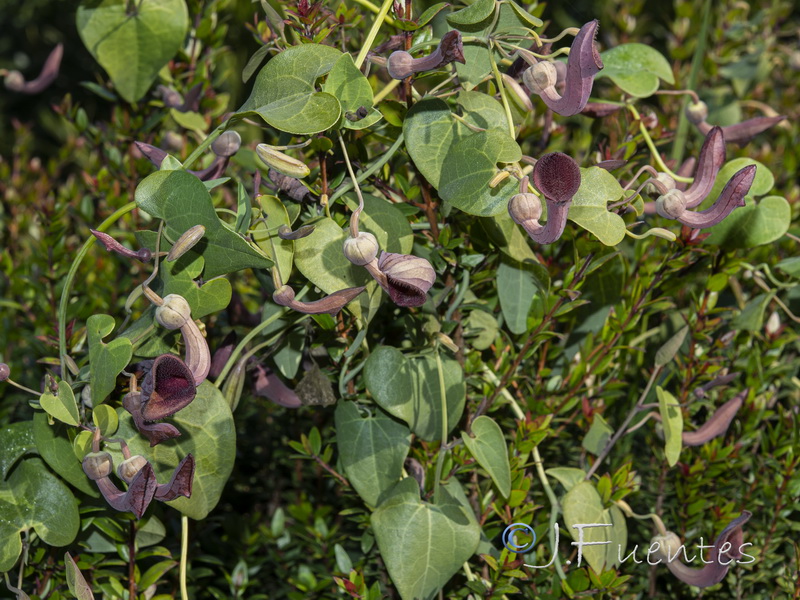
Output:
[[583, 64], [743, 132], [557, 177], [15, 81], [717, 424], [139, 495], [174, 312], [450, 49], [113, 245], [712, 156], [405, 278], [330, 304], [726, 549], [156, 156]]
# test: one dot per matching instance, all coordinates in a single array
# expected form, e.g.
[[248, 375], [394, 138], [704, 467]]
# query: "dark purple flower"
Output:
[[330, 304]]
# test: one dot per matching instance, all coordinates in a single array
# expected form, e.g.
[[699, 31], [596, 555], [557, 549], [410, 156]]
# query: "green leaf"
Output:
[[752, 316], [409, 389], [155, 573], [470, 164], [472, 14], [105, 419], [423, 545], [56, 449], [33, 497], [428, 15], [266, 235], [284, 94], [582, 505], [509, 238], [207, 432], [76, 582], [597, 436], [517, 284], [16, 440], [372, 450], [670, 348], [62, 406], [569, 477], [481, 329], [182, 201], [106, 361], [132, 48], [636, 68], [243, 210], [589, 206], [353, 91], [672, 422], [488, 447]]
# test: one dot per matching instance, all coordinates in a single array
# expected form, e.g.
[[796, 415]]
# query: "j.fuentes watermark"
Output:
[[662, 548]]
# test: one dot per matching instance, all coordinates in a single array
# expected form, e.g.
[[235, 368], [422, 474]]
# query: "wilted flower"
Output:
[[156, 156], [401, 64], [726, 549], [15, 81], [717, 424], [405, 278], [113, 245], [583, 64], [557, 177], [331, 304]]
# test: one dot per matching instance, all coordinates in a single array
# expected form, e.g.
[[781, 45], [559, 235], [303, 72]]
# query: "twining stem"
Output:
[[356, 213], [679, 143], [370, 6], [653, 150], [624, 427], [373, 32], [184, 555], [62, 306], [442, 450], [499, 81]]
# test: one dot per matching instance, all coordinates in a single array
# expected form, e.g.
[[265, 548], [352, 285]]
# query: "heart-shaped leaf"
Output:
[[31, 496], [182, 201], [589, 206], [582, 505], [284, 94], [61, 406], [207, 432], [372, 450], [55, 448], [16, 440], [106, 361], [636, 68], [409, 389], [423, 545], [132, 46], [348, 84], [488, 447]]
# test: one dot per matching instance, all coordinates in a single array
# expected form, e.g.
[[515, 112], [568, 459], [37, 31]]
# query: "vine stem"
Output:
[[356, 213], [502, 88], [184, 555], [653, 150], [442, 450], [623, 428], [373, 32], [372, 7], [73, 270]]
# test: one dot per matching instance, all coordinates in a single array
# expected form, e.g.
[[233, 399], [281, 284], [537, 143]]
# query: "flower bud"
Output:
[[697, 112], [671, 205], [128, 468], [525, 207], [541, 76], [362, 249], [174, 312], [97, 465], [227, 144], [5, 371], [186, 242], [284, 164], [86, 396]]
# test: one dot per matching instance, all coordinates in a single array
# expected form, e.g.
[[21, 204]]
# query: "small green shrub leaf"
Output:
[[672, 422], [106, 361], [636, 68], [670, 348]]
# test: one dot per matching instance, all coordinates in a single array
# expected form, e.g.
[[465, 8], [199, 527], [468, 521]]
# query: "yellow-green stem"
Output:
[[373, 32], [184, 555]]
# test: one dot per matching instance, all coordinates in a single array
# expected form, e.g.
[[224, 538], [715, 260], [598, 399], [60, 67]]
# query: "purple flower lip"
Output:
[[583, 64], [557, 177], [16, 82], [405, 278], [180, 484]]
